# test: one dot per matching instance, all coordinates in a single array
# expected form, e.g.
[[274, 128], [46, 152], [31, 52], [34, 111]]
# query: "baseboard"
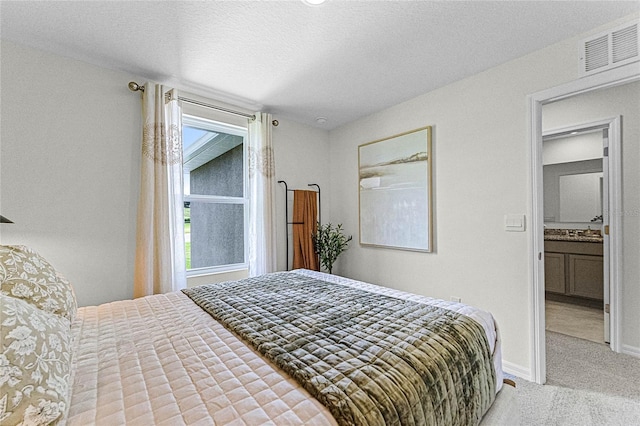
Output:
[[516, 370], [631, 350]]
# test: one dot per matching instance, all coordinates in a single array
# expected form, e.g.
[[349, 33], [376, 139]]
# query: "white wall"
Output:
[[70, 168], [302, 157], [594, 106], [480, 173], [572, 148]]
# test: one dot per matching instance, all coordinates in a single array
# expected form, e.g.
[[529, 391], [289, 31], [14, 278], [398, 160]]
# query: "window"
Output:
[[216, 202]]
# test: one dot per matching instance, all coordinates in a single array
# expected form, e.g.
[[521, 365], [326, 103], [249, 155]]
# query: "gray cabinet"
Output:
[[574, 269], [586, 278], [554, 273]]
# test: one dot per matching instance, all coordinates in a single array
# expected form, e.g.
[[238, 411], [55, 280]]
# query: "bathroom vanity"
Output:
[[574, 265]]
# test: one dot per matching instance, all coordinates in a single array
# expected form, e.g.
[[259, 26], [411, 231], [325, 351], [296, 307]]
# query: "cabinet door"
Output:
[[554, 273], [586, 277]]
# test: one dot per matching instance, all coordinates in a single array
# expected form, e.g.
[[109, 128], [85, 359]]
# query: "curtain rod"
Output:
[[135, 87]]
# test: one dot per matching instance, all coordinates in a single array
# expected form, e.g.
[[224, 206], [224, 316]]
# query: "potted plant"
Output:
[[329, 242]]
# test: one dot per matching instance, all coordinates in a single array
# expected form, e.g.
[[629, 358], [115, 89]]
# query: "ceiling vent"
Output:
[[610, 49]]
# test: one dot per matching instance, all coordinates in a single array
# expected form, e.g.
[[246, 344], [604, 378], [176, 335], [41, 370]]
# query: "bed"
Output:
[[179, 358]]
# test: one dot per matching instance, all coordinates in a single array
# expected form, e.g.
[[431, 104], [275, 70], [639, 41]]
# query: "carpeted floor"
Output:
[[587, 384]]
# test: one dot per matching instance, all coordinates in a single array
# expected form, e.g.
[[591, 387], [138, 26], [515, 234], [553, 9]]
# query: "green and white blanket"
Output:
[[371, 359]]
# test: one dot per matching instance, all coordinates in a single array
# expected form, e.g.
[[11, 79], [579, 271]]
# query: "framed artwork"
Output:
[[395, 191]]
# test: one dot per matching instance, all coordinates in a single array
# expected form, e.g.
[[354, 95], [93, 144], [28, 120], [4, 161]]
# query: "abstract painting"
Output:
[[395, 191]]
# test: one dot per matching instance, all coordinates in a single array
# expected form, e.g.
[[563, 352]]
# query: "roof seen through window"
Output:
[[192, 134]]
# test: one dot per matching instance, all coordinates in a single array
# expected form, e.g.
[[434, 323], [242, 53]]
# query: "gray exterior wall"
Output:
[[217, 230]]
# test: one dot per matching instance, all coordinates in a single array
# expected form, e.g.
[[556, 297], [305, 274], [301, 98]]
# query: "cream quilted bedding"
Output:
[[162, 360]]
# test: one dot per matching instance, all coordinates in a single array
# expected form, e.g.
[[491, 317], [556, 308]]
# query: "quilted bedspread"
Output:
[[371, 359], [161, 360]]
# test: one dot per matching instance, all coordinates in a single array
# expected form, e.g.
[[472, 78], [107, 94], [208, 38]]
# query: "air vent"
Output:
[[611, 49], [596, 53], [624, 44]]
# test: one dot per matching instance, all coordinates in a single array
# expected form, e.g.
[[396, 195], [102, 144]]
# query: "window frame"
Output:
[[201, 122]]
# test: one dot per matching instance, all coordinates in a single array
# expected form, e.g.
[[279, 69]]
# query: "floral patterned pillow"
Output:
[[35, 362], [25, 274]]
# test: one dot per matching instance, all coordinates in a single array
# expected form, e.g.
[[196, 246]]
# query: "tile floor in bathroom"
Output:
[[574, 320]]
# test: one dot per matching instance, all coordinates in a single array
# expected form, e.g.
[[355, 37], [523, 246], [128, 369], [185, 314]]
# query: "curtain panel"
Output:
[[262, 241], [160, 259]]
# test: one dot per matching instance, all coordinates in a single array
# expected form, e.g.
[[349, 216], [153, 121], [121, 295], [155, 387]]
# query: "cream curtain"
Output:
[[262, 242], [160, 259]]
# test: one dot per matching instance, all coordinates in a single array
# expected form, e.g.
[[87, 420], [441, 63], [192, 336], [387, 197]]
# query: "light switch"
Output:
[[514, 222]]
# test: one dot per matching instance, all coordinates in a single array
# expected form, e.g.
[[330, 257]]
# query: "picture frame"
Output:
[[395, 191]]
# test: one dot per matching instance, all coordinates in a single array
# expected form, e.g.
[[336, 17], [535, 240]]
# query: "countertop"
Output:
[[578, 235]]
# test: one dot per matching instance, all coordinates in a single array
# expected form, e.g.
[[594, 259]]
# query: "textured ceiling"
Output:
[[342, 60]]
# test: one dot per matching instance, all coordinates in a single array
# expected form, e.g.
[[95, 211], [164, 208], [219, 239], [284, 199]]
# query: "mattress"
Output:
[[163, 360]]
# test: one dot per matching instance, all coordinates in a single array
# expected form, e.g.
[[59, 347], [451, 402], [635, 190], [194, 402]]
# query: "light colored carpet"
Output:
[[554, 405], [587, 385]]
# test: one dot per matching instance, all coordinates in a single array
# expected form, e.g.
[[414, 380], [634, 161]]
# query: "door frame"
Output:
[[616, 77]]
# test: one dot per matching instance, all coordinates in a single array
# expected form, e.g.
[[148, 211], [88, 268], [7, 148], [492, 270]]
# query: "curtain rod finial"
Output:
[[134, 87]]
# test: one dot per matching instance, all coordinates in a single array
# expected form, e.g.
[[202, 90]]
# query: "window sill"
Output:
[[212, 277]]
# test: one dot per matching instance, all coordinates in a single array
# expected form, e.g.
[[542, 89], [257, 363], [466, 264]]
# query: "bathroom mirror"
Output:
[[573, 192], [580, 197]]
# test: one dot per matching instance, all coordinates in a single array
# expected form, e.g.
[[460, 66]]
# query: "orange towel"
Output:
[[305, 224]]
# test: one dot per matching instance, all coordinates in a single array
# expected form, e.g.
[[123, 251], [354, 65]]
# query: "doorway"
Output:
[[576, 209], [573, 90]]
